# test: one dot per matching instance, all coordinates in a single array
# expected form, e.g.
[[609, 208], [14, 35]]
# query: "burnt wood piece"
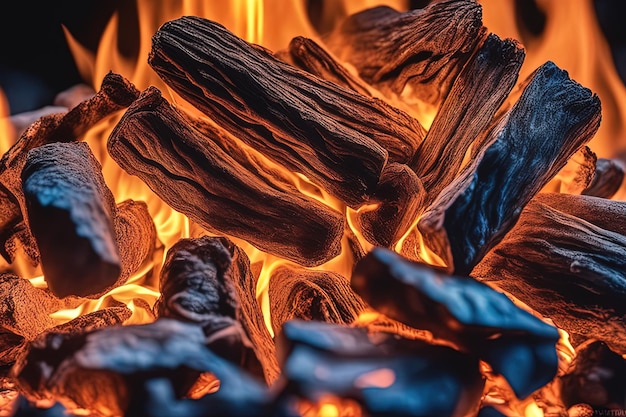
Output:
[[577, 174], [196, 286], [608, 178], [25, 309], [338, 138], [306, 54], [322, 359], [94, 320], [311, 295], [136, 237], [597, 377], [397, 202], [476, 318], [252, 317], [70, 211], [565, 259], [115, 94], [196, 177], [11, 344], [111, 369], [553, 118], [476, 94], [434, 42]]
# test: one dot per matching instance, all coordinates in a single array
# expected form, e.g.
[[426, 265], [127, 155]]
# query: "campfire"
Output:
[[404, 214]]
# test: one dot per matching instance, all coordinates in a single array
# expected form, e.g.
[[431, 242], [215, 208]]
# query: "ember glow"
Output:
[[273, 24]]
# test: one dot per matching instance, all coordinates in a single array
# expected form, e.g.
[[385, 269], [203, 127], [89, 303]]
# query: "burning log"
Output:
[[565, 259], [311, 295], [463, 311], [476, 94], [337, 138], [109, 370], [69, 210], [577, 174], [434, 43], [607, 179], [115, 94], [196, 177], [476, 210], [25, 309], [306, 54], [398, 200], [11, 344], [324, 361], [196, 286]]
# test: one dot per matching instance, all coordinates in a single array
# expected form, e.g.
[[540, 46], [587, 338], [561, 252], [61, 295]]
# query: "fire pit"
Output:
[[388, 219]]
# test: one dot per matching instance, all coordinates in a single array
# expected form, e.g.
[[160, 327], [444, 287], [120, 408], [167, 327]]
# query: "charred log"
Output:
[[339, 139], [476, 210], [577, 174], [311, 295], [607, 179], [11, 344], [197, 286], [115, 94], [463, 311], [435, 42], [196, 177], [564, 258], [70, 211], [322, 359]]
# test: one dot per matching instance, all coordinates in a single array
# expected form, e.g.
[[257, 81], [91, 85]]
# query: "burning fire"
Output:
[[272, 24]]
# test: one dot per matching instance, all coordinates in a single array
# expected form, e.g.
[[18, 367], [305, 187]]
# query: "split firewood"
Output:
[[252, 317], [434, 43], [306, 54], [468, 109], [319, 359], [577, 174], [107, 370], [395, 205], [337, 138], [197, 286], [565, 259], [115, 94], [195, 176], [463, 311], [597, 377], [69, 210], [25, 309], [482, 204], [607, 179], [311, 295]]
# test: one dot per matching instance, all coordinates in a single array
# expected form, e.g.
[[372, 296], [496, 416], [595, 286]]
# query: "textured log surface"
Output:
[[197, 177], [311, 295], [607, 179], [70, 213], [372, 369], [476, 94], [475, 211], [337, 138], [115, 94], [464, 311], [196, 286], [423, 49], [565, 259]]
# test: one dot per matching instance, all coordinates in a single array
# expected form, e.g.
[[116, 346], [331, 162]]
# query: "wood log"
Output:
[[115, 94], [337, 138], [564, 258], [308, 55], [483, 203], [311, 295], [321, 359], [196, 177], [394, 207], [474, 97], [607, 179], [577, 174], [196, 286], [434, 42], [69, 210], [463, 311], [11, 344], [25, 309]]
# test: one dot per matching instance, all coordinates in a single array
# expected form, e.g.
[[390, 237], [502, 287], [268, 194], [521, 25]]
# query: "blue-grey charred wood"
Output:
[[607, 179]]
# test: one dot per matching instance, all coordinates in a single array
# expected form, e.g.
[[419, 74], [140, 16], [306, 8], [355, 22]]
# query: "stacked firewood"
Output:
[[470, 191]]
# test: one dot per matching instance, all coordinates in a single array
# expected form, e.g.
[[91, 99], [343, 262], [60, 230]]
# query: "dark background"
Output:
[[36, 64]]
